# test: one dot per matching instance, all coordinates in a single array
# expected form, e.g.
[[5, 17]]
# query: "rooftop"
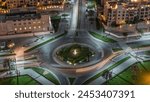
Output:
[[19, 16]]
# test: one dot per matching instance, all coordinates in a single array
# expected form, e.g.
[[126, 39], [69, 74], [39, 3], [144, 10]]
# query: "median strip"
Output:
[[43, 43], [101, 37], [7, 55]]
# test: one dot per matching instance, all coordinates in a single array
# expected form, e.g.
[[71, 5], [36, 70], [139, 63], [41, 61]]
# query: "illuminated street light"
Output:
[[75, 52], [11, 44]]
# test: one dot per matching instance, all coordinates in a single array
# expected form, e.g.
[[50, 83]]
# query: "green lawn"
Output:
[[43, 43], [101, 37], [23, 80], [55, 22], [108, 69], [48, 75], [31, 58], [140, 46], [128, 76], [83, 54], [71, 80], [91, 4], [117, 49], [147, 52], [145, 65], [5, 55], [55, 17]]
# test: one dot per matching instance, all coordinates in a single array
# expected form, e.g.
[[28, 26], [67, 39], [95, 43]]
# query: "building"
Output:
[[27, 22], [125, 12], [42, 5]]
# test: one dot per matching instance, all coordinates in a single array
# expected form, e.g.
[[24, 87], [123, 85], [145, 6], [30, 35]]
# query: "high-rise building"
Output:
[[118, 12], [42, 5]]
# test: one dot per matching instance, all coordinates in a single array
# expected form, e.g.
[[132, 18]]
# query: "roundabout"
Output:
[[76, 55]]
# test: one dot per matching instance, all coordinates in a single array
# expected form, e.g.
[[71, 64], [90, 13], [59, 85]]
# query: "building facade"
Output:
[[20, 23], [125, 11], [42, 5]]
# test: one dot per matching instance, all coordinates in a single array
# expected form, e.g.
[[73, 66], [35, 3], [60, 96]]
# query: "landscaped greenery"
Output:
[[55, 17], [147, 52], [75, 54], [48, 75], [108, 69], [43, 43], [99, 26], [55, 22], [132, 75], [5, 55], [117, 49], [71, 80], [22, 80], [91, 4], [65, 15], [31, 58], [145, 65], [101, 37], [140, 46]]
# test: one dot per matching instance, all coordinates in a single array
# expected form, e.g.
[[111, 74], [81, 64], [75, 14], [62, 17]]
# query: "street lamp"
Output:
[[10, 44], [18, 73]]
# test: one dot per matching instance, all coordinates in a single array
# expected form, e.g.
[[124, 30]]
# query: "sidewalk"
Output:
[[23, 35], [42, 80]]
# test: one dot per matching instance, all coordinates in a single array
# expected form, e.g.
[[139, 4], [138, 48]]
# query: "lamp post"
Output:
[[17, 72]]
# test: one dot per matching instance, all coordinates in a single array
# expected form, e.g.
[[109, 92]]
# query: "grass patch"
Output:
[[23, 80], [108, 69], [43, 43], [55, 22], [117, 49], [140, 46], [71, 80], [130, 75], [31, 58], [147, 52], [55, 17], [5, 55], [101, 37], [90, 4], [145, 65], [48, 75], [83, 55]]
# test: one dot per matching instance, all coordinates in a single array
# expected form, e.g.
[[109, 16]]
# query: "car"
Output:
[[2, 45]]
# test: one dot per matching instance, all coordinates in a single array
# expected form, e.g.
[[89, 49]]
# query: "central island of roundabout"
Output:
[[77, 58]]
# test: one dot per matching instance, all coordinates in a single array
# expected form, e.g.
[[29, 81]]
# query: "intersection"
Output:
[[34, 55]]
